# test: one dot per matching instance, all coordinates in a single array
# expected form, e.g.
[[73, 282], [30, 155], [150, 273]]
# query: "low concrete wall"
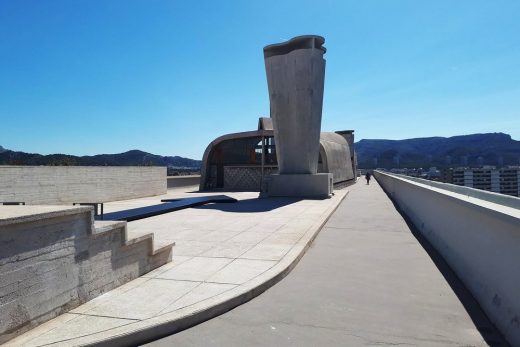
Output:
[[67, 184], [478, 239], [183, 181], [53, 259], [496, 198]]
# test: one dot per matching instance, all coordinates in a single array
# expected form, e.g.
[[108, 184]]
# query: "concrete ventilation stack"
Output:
[[295, 77]]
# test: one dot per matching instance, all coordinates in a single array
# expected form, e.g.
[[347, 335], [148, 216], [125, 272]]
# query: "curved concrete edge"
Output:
[[170, 323]]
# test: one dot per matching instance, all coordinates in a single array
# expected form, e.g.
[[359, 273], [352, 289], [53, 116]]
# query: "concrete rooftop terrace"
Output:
[[366, 279]]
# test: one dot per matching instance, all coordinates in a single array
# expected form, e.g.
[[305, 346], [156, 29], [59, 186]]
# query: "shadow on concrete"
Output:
[[486, 328], [252, 205], [167, 206]]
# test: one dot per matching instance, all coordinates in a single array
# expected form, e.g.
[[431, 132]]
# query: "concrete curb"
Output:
[[193, 315]]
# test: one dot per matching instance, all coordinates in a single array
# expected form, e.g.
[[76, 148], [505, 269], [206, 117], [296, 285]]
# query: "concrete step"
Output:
[[160, 246], [102, 227], [131, 237]]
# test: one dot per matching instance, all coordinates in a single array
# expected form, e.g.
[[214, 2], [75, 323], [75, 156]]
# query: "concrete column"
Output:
[[295, 77]]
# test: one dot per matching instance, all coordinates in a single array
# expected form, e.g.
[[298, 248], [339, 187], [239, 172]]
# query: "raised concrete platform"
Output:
[[316, 186], [225, 255]]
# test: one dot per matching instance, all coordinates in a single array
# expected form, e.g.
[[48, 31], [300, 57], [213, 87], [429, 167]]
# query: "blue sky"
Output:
[[86, 77]]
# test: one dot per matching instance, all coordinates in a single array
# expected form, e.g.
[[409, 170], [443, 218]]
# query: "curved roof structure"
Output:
[[335, 155]]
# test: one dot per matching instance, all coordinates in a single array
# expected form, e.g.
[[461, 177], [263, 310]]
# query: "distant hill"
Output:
[[466, 150], [130, 158]]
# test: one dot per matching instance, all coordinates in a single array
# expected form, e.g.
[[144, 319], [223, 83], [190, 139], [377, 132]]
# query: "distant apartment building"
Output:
[[505, 180]]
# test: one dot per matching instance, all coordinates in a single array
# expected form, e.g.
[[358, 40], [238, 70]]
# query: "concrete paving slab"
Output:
[[107, 297], [25, 339], [228, 250], [251, 237], [143, 301], [283, 238], [268, 251], [221, 235], [192, 248], [79, 326], [196, 269], [241, 270], [202, 292]]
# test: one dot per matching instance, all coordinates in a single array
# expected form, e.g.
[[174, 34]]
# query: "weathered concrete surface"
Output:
[[295, 78], [225, 254], [349, 136], [335, 155], [479, 239], [183, 181], [366, 281], [318, 186], [477, 194], [53, 259], [55, 185]]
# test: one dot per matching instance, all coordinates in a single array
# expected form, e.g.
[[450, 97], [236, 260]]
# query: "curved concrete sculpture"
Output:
[[295, 77]]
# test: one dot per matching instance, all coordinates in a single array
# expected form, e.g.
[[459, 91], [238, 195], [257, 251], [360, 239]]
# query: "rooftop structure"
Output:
[[287, 155], [295, 78], [241, 161]]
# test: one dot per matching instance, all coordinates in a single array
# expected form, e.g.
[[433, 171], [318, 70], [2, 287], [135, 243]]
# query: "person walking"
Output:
[[367, 177]]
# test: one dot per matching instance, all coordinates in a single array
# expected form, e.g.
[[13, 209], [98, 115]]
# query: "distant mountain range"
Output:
[[130, 158], [467, 150]]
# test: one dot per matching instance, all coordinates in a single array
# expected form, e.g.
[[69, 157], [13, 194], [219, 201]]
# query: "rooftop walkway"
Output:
[[366, 280]]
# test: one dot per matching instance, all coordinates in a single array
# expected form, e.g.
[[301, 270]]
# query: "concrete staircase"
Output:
[[53, 259], [158, 250]]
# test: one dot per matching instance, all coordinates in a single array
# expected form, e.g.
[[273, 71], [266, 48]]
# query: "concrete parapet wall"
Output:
[[480, 240], [53, 259], [183, 181], [496, 198], [67, 184]]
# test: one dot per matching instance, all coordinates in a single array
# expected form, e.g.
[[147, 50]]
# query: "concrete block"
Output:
[[317, 186]]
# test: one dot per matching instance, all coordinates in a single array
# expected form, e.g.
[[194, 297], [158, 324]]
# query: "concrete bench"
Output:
[[168, 205]]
